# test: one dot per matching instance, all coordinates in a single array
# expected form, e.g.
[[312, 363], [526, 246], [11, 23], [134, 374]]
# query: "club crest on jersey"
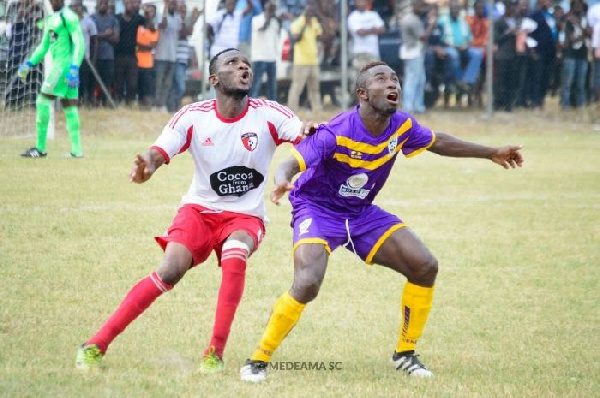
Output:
[[392, 145], [250, 141]]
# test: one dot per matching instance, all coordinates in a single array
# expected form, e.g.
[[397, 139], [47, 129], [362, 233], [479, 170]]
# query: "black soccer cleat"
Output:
[[254, 371], [34, 153], [410, 364]]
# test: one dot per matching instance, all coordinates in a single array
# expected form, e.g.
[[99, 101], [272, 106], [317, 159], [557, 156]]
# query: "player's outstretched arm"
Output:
[[508, 156], [145, 166], [283, 177]]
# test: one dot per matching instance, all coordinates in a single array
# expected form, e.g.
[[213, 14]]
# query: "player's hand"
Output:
[[141, 171], [308, 128], [508, 156], [280, 190], [73, 77], [196, 13], [23, 70]]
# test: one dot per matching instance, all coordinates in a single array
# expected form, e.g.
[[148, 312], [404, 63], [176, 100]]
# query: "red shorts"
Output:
[[201, 230]]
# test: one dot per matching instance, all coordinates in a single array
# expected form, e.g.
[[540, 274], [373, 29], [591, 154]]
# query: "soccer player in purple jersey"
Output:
[[345, 166]]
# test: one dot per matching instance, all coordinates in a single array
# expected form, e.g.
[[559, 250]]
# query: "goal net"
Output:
[[21, 25]]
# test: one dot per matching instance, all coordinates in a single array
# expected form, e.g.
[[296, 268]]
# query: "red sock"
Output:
[[137, 300], [233, 266]]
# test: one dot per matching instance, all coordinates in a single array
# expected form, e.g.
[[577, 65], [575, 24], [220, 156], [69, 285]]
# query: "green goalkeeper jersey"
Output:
[[63, 37]]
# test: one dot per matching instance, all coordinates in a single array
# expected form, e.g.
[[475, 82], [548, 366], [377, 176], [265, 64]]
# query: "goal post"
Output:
[[21, 27]]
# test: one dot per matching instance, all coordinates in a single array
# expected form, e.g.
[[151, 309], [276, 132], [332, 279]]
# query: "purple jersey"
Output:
[[346, 167]]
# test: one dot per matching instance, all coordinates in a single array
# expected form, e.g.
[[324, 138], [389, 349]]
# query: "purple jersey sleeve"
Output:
[[419, 139], [316, 148]]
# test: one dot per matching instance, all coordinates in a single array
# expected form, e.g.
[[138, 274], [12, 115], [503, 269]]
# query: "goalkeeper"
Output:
[[63, 37]]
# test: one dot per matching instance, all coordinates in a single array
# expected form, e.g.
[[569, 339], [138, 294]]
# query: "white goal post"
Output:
[[20, 32]]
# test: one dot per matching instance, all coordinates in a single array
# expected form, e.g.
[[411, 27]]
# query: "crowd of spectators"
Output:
[[137, 57], [442, 47]]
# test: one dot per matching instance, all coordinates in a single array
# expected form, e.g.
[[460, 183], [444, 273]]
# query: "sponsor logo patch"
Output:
[[235, 180], [353, 186]]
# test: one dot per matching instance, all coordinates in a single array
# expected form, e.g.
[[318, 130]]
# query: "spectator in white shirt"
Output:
[[166, 53], [183, 55], [224, 29], [365, 26], [265, 39]]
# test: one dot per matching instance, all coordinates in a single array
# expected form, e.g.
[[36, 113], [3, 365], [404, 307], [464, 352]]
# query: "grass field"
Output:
[[516, 311]]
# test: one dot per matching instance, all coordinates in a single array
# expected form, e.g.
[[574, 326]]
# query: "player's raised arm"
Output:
[[145, 166], [508, 156], [283, 177]]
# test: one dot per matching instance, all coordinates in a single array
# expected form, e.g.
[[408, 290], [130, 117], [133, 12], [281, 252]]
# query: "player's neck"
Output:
[[231, 106], [374, 122]]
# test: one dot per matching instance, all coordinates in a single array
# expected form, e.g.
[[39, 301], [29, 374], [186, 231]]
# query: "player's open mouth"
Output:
[[245, 77], [392, 97]]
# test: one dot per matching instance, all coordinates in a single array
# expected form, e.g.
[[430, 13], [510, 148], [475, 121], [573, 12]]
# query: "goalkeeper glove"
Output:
[[73, 76], [24, 69]]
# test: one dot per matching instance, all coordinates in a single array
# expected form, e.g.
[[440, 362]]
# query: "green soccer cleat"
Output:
[[211, 363], [88, 357]]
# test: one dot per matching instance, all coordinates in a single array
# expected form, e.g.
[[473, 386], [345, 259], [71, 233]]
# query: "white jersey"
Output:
[[231, 156]]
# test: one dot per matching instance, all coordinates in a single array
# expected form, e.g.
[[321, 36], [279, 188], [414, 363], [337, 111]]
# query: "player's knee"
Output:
[[427, 270], [306, 288], [172, 270]]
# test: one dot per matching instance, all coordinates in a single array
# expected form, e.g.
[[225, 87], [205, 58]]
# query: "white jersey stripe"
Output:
[[198, 106]]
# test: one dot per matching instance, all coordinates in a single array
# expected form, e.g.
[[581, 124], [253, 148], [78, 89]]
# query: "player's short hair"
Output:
[[212, 65], [361, 79]]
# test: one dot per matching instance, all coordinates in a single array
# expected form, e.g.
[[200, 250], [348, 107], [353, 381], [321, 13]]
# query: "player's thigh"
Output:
[[55, 82], [404, 252], [234, 226], [316, 235], [369, 230], [189, 228]]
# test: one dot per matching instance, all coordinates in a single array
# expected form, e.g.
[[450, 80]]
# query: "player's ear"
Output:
[[361, 93], [213, 80]]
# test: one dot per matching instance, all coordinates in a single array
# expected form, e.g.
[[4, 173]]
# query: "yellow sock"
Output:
[[416, 304], [285, 315]]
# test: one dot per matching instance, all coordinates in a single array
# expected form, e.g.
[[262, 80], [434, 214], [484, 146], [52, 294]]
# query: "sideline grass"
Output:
[[516, 306]]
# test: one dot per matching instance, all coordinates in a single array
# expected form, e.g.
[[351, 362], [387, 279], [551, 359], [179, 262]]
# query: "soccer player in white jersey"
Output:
[[232, 140]]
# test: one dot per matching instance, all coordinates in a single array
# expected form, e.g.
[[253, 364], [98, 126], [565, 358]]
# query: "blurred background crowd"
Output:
[[154, 54]]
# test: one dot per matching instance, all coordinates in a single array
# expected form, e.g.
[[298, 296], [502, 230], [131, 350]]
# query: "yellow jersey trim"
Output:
[[312, 240], [299, 158], [367, 164], [382, 238], [368, 148], [420, 150]]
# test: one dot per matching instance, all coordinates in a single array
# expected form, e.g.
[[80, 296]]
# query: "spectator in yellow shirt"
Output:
[[306, 31]]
